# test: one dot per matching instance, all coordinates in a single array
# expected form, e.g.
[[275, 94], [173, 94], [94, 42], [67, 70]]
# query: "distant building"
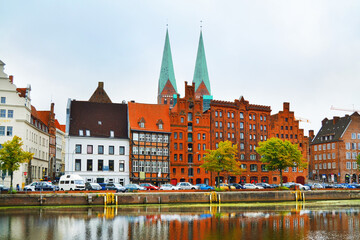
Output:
[[335, 148], [243, 124], [190, 137], [284, 125], [97, 144], [149, 143]]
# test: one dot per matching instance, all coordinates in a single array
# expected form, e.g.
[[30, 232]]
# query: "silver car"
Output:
[[252, 186], [168, 187], [186, 186]]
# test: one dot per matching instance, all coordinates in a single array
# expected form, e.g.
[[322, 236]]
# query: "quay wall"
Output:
[[63, 199]]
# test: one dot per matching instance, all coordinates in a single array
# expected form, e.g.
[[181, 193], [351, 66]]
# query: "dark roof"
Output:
[[332, 127], [99, 118]]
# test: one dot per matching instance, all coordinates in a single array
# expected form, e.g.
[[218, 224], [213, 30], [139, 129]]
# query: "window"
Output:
[[315, 157], [216, 113], [249, 116], [294, 169], [111, 134], [220, 124], [241, 146], [89, 149], [81, 133], [353, 146], [353, 135], [3, 100], [175, 135], [228, 115], [241, 125], [199, 136], [2, 130], [88, 133], [316, 166], [204, 136], [241, 135], [243, 166], [232, 125], [204, 146], [100, 149], [315, 148], [254, 127], [220, 114], [182, 120], [286, 169], [77, 164], [216, 124], [122, 150], [216, 145], [348, 155], [253, 167], [180, 135], [232, 115], [333, 165], [263, 168], [175, 157], [199, 157], [221, 134], [228, 125], [324, 165], [333, 156], [135, 166], [175, 146], [180, 146], [89, 165], [286, 119], [250, 126], [2, 113], [190, 117], [10, 113], [180, 157], [111, 150], [333, 145], [319, 147], [261, 118], [111, 165], [122, 166], [100, 165], [197, 120], [250, 136], [9, 131], [348, 165], [241, 115], [354, 155], [78, 148]]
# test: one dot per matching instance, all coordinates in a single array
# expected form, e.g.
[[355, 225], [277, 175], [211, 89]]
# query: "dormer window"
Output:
[[88, 133], [160, 124], [111, 133], [81, 133], [142, 123]]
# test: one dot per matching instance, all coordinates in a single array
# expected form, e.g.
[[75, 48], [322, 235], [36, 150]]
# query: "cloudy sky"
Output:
[[304, 52]]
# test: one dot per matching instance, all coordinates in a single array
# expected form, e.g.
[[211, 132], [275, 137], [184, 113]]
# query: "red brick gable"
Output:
[[202, 90], [168, 89]]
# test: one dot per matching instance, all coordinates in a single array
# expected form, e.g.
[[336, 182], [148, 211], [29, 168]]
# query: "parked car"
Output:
[[302, 187], [102, 185], [264, 185], [44, 186], [204, 186], [273, 185], [71, 182], [168, 186], [252, 186], [92, 186], [186, 186], [132, 187], [115, 186], [30, 187], [3, 188], [149, 186], [236, 185], [317, 186], [226, 186]]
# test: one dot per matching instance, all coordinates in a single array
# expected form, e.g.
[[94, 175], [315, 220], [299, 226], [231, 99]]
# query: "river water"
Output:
[[320, 220]]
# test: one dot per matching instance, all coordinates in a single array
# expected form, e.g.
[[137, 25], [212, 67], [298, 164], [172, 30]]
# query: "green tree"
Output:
[[279, 155], [12, 155], [358, 161], [222, 160]]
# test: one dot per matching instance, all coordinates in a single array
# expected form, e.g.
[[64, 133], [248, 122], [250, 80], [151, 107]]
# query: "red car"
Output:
[[149, 186]]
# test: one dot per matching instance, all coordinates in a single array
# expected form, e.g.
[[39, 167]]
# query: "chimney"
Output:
[[323, 122], [101, 85], [52, 108], [11, 77], [335, 120], [286, 106], [311, 134]]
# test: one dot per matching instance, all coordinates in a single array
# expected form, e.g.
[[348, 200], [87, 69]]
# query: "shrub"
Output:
[[12, 192], [282, 188], [219, 190]]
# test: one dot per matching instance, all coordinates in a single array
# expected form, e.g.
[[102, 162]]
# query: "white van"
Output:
[[71, 182]]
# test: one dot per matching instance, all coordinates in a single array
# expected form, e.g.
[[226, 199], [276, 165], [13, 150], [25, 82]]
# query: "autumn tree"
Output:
[[279, 155], [222, 159], [12, 155]]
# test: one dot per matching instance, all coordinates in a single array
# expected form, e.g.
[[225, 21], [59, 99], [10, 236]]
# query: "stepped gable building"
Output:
[[190, 128], [201, 76], [149, 143], [284, 126], [335, 148], [97, 143], [243, 124], [167, 83]]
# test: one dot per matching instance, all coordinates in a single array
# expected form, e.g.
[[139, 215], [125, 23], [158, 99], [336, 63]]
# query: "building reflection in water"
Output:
[[178, 223]]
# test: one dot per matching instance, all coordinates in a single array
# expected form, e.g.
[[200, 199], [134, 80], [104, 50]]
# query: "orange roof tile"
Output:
[[21, 91], [44, 116], [59, 126], [152, 114]]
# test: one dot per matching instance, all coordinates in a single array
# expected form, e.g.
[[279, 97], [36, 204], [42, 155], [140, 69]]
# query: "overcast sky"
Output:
[[303, 52]]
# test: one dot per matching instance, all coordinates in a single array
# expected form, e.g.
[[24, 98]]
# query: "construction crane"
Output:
[[344, 109], [300, 119]]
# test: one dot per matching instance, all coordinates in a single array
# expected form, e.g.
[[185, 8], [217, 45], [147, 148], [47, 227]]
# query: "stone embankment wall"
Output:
[[62, 199]]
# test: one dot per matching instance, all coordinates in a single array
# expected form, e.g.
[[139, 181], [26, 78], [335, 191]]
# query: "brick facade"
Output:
[[283, 125], [190, 129]]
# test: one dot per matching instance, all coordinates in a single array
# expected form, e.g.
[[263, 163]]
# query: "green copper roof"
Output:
[[167, 68], [201, 72]]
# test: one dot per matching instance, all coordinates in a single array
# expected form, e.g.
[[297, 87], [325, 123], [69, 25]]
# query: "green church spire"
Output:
[[201, 72], [167, 68]]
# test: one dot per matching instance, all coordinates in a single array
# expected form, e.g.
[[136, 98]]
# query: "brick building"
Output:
[[335, 148], [149, 143], [244, 124], [283, 125], [190, 128]]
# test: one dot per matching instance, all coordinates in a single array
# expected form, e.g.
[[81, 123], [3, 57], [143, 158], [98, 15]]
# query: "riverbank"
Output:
[[64, 199]]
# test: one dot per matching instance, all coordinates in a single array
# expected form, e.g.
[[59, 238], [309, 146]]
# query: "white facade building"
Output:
[[97, 142], [17, 118]]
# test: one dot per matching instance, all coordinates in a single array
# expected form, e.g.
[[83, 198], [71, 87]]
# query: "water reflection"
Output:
[[230, 222]]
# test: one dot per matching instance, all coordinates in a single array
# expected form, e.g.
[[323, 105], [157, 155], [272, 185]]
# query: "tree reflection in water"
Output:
[[227, 222]]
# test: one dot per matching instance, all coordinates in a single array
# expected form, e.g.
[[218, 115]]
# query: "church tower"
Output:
[[201, 76], [167, 83]]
